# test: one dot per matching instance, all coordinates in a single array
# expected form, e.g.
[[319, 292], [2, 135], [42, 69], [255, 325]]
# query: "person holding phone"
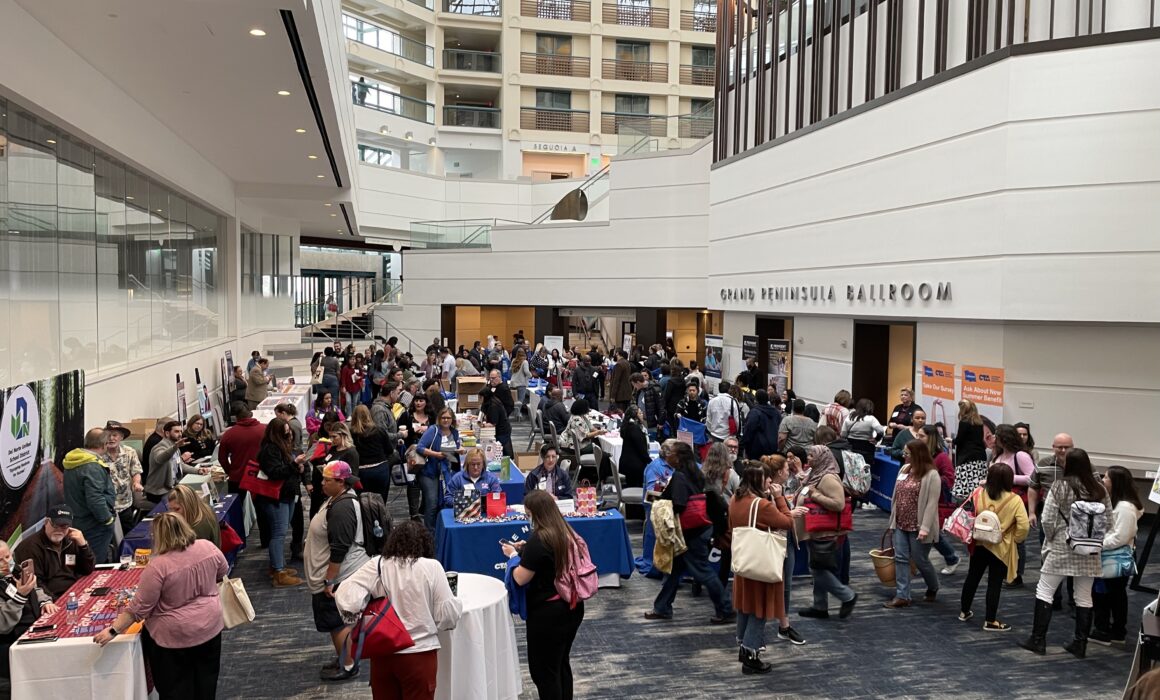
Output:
[[21, 602]]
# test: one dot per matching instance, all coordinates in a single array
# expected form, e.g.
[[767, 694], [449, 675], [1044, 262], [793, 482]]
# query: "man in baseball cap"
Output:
[[59, 553]]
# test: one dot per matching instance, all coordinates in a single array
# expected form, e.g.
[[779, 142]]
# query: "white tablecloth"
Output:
[[71, 669], [613, 446], [478, 659]]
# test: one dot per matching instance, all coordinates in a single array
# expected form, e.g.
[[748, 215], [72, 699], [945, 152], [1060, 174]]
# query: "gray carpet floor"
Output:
[[920, 652]]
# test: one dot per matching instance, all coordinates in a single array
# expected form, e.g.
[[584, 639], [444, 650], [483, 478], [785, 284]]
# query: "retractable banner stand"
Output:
[[714, 357], [554, 342], [203, 405], [40, 423], [749, 347], [227, 375], [182, 409], [938, 386], [984, 386], [1143, 554], [779, 366]]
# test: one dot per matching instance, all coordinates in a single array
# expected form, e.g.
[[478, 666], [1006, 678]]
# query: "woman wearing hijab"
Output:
[[823, 486]]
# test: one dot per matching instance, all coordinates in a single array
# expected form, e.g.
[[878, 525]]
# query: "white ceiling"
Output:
[[194, 65]]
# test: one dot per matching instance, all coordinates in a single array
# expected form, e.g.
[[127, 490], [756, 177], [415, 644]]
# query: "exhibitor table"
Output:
[[513, 486], [474, 547], [73, 667], [613, 445], [230, 510], [478, 660], [883, 475]]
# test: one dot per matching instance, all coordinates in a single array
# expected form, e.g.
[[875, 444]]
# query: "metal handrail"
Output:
[[373, 96], [393, 290], [360, 30]]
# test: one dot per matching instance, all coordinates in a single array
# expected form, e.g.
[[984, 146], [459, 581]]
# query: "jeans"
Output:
[[351, 400], [278, 513], [750, 631], [844, 562], [1111, 607], [376, 478], [982, 560], [826, 583], [644, 563], [1048, 583], [429, 485], [330, 383], [696, 562], [907, 548], [947, 550], [100, 539]]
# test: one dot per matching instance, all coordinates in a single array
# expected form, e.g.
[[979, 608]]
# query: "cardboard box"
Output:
[[140, 428], [527, 461], [468, 392]]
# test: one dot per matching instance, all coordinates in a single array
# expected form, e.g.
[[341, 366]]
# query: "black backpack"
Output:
[[376, 521]]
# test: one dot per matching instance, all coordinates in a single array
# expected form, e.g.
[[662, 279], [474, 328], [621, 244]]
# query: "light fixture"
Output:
[[319, 176], [158, 211], [257, 32], [129, 197], [312, 157], [283, 93], [383, 130], [300, 131], [431, 141], [53, 141], [408, 135], [328, 204], [334, 214]]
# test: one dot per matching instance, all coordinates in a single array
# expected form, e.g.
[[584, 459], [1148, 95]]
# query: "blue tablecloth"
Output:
[[883, 475], [514, 487], [474, 547], [230, 510]]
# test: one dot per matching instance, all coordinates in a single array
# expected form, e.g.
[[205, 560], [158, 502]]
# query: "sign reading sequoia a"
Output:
[[854, 293]]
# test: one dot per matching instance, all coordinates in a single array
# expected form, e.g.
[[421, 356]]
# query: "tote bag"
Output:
[[256, 482], [961, 523], [758, 555], [236, 607], [379, 630]]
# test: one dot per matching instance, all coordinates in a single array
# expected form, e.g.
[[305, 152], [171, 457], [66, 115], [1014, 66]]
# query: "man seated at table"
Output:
[[21, 603], [473, 477], [59, 553], [554, 410], [547, 477], [658, 471]]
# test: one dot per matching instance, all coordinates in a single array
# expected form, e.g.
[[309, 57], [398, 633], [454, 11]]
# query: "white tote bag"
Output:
[[758, 555], [236, 607]]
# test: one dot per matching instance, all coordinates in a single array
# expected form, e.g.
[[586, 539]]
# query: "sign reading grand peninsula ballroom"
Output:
[[829, 293]]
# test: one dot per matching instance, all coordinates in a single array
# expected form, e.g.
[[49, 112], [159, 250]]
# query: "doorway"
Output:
[[883, 363], [766, 329]]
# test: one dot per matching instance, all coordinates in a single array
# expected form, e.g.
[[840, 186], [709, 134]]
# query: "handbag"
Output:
[[236, 607], [316, 376], [230, 539], [961, 522], [585, 497], [824, 554], [256, 482], [1117, 563], [758, 555], [379, 630], [696, 513], [496, 504], [821, 519]]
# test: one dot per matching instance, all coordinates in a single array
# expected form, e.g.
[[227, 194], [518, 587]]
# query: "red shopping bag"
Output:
[[496, 504], [256, 482], [379, 631]]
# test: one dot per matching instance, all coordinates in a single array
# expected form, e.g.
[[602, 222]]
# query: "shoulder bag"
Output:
[[961, 522], [256, 482], [236, 607], [379, 631], [758, 555]]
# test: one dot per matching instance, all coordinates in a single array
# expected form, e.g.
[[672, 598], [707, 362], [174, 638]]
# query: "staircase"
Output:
[[347, 328]]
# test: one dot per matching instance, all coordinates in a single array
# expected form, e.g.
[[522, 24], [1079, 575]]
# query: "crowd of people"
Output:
[[765, 459]]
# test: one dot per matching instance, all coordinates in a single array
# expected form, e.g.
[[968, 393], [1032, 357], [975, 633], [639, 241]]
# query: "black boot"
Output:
[[753, 663], [1083, 624], [1037, 642]]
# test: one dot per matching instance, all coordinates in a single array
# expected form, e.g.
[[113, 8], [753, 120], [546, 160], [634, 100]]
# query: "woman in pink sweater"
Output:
[[177, 598]]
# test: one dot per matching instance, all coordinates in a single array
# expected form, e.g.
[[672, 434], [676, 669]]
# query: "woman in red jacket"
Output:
[[352, 380]]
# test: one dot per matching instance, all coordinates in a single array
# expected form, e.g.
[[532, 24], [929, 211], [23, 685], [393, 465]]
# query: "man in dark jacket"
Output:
[[554, 410], [21, 603], [89, 493], [620, 384], [759, 438], [59, 553], [584, 381], [648, 402]]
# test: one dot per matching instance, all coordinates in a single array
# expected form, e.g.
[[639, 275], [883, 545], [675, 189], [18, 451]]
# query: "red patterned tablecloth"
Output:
[[94, 612]]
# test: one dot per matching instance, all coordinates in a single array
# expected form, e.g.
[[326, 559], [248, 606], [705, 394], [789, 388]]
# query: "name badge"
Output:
[[10, 591], [70, 560], [896, 414], [543, 485], [901, 476], [805, 490], [468, 487]]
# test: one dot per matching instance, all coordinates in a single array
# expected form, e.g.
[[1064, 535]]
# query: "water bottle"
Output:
[[71, 609]]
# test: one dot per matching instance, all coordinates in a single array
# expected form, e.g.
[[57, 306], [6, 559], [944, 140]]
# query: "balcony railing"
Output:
[[697, 75], [374, 97], [691, 126], [387, 40], [474, 61], [476, 8], [474, 117], [573, 10], [657, 17], [636, 70], [429, 4], [624, 122], [554, 119], [698, 21], [554, 64]]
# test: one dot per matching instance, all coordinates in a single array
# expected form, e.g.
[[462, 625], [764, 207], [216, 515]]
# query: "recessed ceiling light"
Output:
[[328, 204], [51, 141], [319, 176], [300, 131], [158, 211], [257, 32], [283, 93], [312, 157], [129, 197], [334, 214]]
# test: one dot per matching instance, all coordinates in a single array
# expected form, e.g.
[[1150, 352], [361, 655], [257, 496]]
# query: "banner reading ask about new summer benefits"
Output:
[[983, 385]]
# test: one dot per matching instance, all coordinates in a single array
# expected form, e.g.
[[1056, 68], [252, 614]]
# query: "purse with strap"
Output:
[[236, 607], [758, 555], [961, 522], [256, 482], [379, 631]]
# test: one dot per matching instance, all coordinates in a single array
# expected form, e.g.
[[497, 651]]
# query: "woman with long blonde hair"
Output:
[[376, 452], [552, 623], [196, 513], [969, 445]]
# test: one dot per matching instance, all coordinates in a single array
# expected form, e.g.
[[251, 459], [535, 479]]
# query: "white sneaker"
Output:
[[950, 568], [869, 506]]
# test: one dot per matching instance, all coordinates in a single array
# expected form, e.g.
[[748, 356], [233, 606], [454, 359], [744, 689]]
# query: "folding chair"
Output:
[[537, 429]]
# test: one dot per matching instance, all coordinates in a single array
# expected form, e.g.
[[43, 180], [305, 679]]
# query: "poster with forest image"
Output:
[[41, 421]]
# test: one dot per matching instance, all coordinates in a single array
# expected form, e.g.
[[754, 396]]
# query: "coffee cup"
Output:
[[453, 582]]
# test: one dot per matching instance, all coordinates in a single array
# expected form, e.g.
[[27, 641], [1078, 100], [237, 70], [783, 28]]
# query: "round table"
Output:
[[478, 660]]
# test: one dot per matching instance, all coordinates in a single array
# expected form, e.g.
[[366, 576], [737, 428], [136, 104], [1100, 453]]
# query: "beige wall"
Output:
[[683, 324], [474, 323], [901, 371], [537, 164]]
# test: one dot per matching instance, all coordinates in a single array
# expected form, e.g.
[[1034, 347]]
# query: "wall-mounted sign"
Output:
[[553, 147], [831, 294]]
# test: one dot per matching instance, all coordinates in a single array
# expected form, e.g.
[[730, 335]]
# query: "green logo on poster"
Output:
[[20, 423]]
